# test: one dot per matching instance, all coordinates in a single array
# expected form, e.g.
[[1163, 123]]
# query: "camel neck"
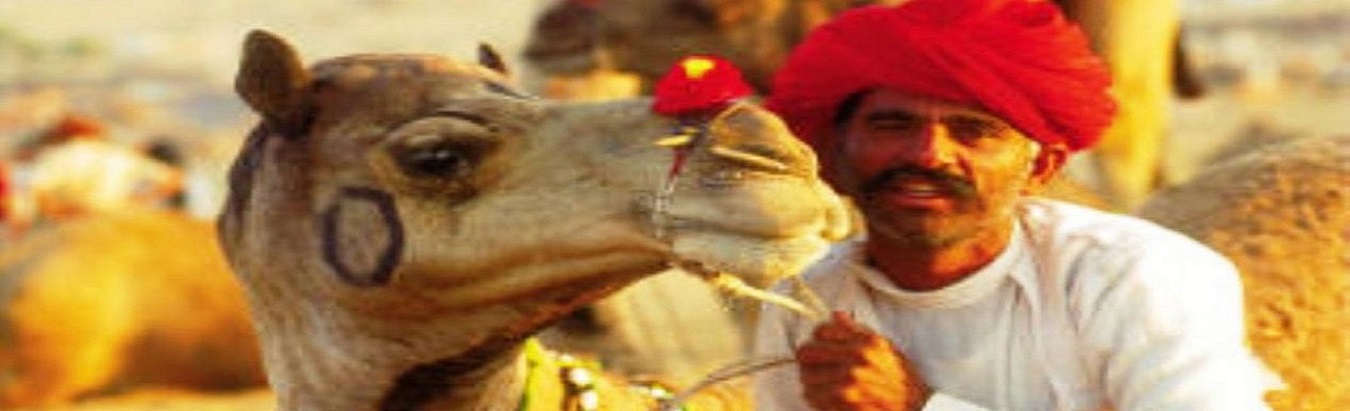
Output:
[[355, 373], [486, 377]]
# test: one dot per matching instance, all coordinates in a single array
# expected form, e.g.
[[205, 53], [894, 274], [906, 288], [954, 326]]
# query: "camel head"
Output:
[[647, 36], [402, 222]]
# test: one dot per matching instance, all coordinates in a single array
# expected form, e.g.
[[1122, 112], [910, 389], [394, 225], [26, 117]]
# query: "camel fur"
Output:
[[118, 303], [402, 223], [1282, 214]]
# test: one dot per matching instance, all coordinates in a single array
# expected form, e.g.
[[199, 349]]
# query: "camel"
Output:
[[119, 303], [1281, 213], [577, 38], [1141, 44], [402, 224], [605, 43]]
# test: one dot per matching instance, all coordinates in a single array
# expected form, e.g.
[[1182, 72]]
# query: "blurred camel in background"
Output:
[[574, 38], [1281, 212], [105, 290], [601, 48], [1141, 43], [116, 303], [72, 169]]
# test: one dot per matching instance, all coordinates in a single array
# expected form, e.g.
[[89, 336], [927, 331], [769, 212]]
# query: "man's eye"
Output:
[[967, 128], [899, 124]]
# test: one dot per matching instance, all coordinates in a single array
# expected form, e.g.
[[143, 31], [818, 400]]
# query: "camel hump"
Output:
[[1280, 213]]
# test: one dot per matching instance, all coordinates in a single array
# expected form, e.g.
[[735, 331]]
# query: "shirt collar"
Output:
[[968, 290]]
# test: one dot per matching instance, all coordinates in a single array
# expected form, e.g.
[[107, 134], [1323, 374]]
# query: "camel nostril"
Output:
[[751, 136], [749, 158]]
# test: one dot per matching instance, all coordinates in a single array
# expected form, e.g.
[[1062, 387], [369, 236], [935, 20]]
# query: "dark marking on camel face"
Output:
[[421, 384], [355, 219], [240, 179]]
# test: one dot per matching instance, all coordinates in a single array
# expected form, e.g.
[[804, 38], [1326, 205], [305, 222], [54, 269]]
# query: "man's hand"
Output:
[[846, 366]]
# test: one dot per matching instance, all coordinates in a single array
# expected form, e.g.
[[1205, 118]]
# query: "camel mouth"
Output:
[[760, 230], [756, 260], [748, 242], [556, 276], [560, 299]]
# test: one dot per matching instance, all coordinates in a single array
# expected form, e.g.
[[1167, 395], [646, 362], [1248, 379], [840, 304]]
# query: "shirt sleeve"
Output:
[[777, 388], [1164, 326]]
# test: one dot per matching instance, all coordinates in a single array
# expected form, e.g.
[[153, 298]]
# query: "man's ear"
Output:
[[1045, 167]]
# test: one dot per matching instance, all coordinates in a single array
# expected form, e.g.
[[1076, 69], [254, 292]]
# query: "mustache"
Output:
[[947, 181]]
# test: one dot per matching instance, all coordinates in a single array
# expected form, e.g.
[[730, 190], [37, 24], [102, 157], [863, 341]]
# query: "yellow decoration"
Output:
[[696, 67]]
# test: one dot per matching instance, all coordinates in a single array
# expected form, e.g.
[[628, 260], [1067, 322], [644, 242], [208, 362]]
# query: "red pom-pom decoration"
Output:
[[699, 84]]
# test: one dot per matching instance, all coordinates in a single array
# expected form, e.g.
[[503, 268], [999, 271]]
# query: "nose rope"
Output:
[[693, 132], [690, 133], [681, 142], [814, 310]]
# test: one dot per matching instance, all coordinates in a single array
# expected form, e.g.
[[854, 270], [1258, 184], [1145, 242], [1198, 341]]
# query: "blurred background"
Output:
[[150, 70], [152, 79], [1274, 66], [164, 69]]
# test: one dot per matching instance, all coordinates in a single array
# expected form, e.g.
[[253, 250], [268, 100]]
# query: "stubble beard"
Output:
[[918, 229], [973, 217]]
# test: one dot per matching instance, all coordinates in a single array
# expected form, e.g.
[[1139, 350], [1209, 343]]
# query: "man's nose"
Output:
[[932, 146]]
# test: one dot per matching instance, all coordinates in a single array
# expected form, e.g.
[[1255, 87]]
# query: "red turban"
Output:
[[1020, 60]]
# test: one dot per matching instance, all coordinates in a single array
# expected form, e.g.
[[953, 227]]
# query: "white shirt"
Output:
[[1084, 310]]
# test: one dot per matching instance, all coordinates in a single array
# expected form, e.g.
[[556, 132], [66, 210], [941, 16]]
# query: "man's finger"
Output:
[[825, 377], [842, 328], [834, 332], [846, 321], [829, 354]]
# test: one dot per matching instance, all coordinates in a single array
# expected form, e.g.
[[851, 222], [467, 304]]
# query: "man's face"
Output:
[[931, 173]]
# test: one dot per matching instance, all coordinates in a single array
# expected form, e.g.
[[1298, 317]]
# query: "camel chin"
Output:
[[758, 261]]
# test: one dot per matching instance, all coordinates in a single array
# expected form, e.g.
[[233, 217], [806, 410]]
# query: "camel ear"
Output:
[[272, 81], [488, 57], [729, 13]]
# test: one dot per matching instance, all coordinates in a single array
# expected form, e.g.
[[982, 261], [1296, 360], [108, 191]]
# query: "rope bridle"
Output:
[[687, 136]]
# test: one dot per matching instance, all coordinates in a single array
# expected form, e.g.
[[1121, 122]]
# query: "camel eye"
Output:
[[438, 155], [438, 161]]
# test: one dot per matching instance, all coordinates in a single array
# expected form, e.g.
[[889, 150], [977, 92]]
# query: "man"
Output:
[[939, 118], [78, 171]]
